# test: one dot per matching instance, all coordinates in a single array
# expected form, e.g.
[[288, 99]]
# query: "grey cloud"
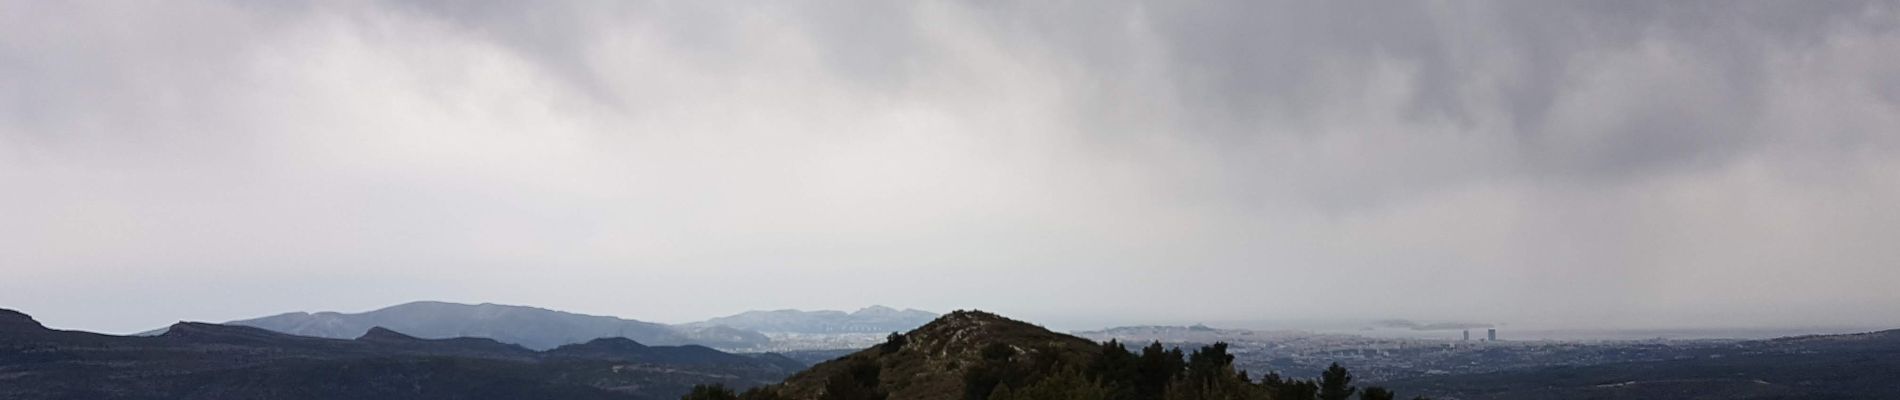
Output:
[[1606, 162]]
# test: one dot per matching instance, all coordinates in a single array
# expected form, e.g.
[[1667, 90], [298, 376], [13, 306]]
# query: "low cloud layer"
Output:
[[1599, 164]]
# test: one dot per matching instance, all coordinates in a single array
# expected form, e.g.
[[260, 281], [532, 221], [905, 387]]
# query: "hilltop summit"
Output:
[[966, 332], [932, 361]]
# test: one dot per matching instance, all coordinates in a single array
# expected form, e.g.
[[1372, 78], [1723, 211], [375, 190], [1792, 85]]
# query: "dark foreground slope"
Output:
[[1861, 366], [210, 361]]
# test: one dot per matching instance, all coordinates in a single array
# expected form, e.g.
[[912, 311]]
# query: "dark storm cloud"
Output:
[[1636, 163]]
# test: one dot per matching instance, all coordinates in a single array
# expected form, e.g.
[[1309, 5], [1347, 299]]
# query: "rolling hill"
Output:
[[212, 361], [531, 327]]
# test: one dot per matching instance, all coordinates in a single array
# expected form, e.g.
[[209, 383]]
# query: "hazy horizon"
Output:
[[1350, 326], [1633, 165]]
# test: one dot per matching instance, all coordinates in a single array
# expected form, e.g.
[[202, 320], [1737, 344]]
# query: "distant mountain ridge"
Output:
[[873, 319], [543, 329], [193, 360], [531, 327]]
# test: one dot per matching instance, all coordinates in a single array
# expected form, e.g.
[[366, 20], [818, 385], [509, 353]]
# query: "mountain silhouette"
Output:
[[193, 360], [531, 327]]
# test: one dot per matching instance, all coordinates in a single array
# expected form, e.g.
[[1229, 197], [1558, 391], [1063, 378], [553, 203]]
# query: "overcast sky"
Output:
[[1583, 164]]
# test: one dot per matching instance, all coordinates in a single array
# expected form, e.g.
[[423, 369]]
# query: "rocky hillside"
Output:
[[933, 362]]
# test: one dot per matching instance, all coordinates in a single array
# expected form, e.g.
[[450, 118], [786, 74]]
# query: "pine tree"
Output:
[[1210, 364], [1115, 368], [1335, 383], [1155, 369]]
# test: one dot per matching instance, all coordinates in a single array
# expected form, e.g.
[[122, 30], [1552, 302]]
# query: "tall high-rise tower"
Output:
[[1467, 335], [1491, 334]]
